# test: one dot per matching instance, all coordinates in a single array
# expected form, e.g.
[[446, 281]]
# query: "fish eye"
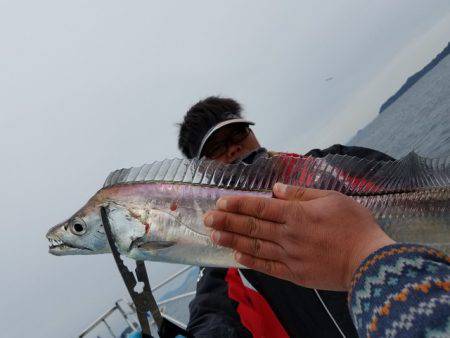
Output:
[[78, 227]]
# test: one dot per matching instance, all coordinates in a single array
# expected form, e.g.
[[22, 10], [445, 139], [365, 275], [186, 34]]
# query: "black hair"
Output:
[[201, 117]]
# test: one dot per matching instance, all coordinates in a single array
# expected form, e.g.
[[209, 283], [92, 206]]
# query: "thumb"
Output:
[[290, 192]]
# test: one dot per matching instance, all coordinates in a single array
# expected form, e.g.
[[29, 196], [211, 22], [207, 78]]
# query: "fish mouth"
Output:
[[58, 248]]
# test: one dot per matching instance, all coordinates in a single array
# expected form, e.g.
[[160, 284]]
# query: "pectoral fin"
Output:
[[155, 245]]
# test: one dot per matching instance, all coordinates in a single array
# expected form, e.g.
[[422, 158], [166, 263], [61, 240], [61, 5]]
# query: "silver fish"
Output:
[[156, 210]]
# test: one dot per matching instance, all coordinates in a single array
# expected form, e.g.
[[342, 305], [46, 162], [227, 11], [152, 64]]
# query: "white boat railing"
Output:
[[168, 279], [102, 319], [126, 315], [171, 299]]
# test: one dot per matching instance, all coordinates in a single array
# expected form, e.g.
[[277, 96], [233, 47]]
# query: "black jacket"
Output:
[[300, 311]]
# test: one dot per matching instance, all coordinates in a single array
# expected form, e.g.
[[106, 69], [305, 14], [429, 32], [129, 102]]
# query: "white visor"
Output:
[[217, 127]]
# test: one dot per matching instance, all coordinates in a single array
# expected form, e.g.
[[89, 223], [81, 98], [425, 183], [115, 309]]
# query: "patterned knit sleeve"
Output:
[[402, 290]]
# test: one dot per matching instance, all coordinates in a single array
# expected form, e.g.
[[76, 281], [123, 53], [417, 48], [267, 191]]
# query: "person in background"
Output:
[[324, 239], [244, 303]]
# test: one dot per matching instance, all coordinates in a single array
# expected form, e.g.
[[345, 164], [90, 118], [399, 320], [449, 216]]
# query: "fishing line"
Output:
[[329, 313]]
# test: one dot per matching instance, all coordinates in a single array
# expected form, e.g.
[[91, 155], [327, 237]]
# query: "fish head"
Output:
[[84, 233], [81, 234]]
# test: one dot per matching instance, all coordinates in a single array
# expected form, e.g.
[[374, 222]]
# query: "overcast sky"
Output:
[[90, 86]]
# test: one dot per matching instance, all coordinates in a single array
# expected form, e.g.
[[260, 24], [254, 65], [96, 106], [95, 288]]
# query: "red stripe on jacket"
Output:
[[254, 311]]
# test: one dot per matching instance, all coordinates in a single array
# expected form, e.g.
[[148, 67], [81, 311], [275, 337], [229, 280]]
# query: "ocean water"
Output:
[[418, 121]]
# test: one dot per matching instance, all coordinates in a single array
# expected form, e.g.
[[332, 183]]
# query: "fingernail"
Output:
[[215, 236], [222, 203], [237, 256], [209, 220], [280, 187]]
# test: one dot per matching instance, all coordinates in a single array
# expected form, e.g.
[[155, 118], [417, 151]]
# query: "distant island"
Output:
[[416, 77], [416, 117]]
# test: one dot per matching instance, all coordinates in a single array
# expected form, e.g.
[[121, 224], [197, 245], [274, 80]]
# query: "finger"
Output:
[[266, 208], [290, 192], [244, 225], [270, 267], [252, 246]]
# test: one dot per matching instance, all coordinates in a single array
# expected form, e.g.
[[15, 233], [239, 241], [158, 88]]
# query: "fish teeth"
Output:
[[55, 242]]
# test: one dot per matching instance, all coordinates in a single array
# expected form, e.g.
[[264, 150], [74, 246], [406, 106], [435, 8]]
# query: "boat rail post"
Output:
[[125, 316]]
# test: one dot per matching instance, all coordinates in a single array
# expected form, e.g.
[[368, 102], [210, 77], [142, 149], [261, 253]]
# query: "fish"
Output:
[[156, 210]]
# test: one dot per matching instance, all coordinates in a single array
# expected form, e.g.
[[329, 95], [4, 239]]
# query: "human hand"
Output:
[[314, 238]]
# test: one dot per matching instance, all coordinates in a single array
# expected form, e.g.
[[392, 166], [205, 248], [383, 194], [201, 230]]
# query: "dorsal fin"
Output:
[[350, 175]]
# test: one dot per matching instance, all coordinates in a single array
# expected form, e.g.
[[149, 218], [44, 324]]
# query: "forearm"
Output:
[[402, 289]]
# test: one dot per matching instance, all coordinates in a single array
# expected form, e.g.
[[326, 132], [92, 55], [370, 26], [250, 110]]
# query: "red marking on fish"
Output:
[[147, 228], [173, 206]]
